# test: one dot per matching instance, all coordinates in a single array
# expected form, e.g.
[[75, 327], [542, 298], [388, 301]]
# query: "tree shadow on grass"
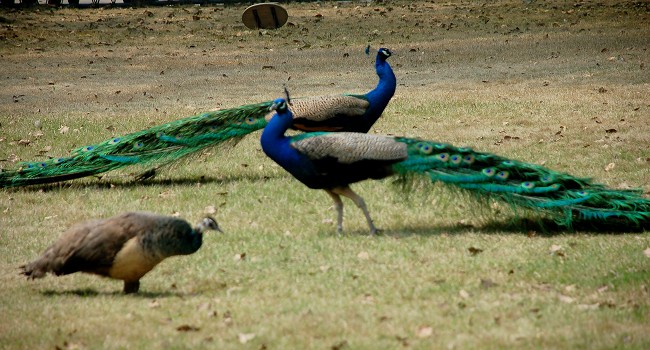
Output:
[[89, 292]]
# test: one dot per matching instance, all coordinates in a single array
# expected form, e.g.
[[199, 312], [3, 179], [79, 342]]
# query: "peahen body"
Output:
[[172, 141], [124, 247], [333, 161]]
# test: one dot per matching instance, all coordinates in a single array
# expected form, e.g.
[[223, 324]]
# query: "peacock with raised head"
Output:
[[334, 161], [169, 142]]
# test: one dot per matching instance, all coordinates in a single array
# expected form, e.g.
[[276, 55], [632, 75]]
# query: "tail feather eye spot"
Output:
[[468, 159], [488, 172], [426, 149], [443, 157], [59, 160], [527, 184], [250, 120], [88, 148], [440, 146], [138, 145], [507, 163], [502, 175], [547, 179], [456, 159], [114, 141], [555, 186]]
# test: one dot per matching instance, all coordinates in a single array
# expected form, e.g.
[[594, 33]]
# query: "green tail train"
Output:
[[155, 146], [566, 198]]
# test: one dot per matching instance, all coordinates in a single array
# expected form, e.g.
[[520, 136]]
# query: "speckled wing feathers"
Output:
[[326, 107], [349, 147]]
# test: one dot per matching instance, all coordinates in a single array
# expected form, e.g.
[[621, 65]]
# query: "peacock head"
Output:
[[208, 223], [279, 105], [383, 53]]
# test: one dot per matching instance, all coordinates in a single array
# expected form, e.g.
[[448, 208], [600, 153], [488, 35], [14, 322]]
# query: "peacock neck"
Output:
[[274, 142], [385, 89]]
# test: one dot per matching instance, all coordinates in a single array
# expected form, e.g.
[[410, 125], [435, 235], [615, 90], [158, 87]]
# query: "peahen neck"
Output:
[[385, 89]]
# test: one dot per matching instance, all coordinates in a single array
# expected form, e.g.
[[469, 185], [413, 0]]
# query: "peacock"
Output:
[[333, 161], [124, 247], [171, 141]]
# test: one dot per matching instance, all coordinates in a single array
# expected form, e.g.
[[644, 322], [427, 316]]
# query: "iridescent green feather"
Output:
[[157, 145], [566, 198]]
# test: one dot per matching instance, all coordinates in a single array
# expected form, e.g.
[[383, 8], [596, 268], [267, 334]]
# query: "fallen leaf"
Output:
[[210, 209], [646, 252], [610, 166], [24, 142], [340, 345], [187, 328], [63, 129], [611, 131], [246, 337], [424, 332], [154, 304], [565, 298], [487, 283], [603, 289], [240, 256], [589, 306], [474, 251], [363, 256], [463, 294]]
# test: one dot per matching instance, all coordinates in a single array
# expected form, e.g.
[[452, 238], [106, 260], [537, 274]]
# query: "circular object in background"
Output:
[[264, 16]]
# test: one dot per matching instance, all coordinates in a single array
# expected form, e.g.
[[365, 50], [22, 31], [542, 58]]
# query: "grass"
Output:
[[446, 273]]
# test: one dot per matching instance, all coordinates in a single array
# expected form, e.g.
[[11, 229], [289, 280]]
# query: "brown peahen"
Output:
[[333, 161], [124, 247], [169, 142]]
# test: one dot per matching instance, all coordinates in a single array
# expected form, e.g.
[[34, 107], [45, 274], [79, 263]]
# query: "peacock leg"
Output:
[[338, 205], [347, 192]]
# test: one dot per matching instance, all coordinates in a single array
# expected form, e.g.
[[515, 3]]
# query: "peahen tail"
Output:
[[154, 146], [567, 199]]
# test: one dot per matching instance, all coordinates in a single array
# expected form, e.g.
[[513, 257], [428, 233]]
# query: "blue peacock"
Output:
[[174, 140], [333, 161]]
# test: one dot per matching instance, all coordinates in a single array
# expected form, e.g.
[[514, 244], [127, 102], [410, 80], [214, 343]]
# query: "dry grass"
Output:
[[541, 82]]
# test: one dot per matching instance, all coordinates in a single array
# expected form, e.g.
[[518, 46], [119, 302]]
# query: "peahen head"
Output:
[[208, 223], [383, 54]]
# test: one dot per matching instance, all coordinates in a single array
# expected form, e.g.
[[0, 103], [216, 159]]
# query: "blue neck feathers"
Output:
[[385, 89], [277, 146]]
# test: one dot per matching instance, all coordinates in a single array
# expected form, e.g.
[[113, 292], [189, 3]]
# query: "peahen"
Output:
[[333, 161], [174, 140], [123, 247]]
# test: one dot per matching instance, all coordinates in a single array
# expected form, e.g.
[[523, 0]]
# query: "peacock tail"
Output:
[[566, 198], [154, 146]]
